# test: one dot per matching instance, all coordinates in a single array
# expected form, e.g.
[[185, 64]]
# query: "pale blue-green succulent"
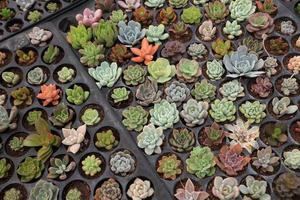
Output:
[[256, 189], [253, 111], [232, 90], [156, 33], [241, 9], [204, 91], [177, 92], [194, 113], [222, 110], [197, 51], [197, 2], [292, 159], [215, 69], [282, 107], [232, 29], [154, 3], [44, 190], [36, 76], [131, 33]]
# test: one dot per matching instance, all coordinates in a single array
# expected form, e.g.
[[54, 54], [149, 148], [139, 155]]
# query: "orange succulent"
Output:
[[49, 94], [145, 54]]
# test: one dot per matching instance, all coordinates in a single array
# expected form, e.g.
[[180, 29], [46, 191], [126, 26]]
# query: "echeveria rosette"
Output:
[[191, 15], [164, 114], [256, 189], [182, 140], [156, 34], [232, 90], [177, 92], [253, 111], [292, 159], [241, 9], [131, 33], [232, 29], [260, 24], [201, 162], [44, 190], [222, 110], [215, 69], [169, 166], [178, 3], [154, 3], [204, 91], [265, 160], [151, 139], [194, 113], [29, 169], [188, 70], [226, 189], [134, 118], [148, 93], [282, 106], [161, 71], [134, 74]]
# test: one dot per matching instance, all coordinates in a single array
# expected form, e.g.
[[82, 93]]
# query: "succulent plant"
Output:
[[49, 94], [292, 159], [105, 5], [8, 121], [91, 54], [167, 16], [151, 139], [91, 117], [25, 4], [253, 111], [289, 86], [120, 94], [169, 166], [117, 16], [259, 24], [282, 107], [2, 99], [22, 96], [287, 27], [204, 91], [164, 114], [262, 87], [120, 54], [201, 162], [156, 33], [16, 143], [254, 45], [177, 92], [39, 36], [178, 3], [105, 33], [4, 168], [33, 116], [129, 5], [51, 54], [232, 29], [241, 9], [29, 169], [89, 17], [189, 191], [79, 36], [154, 3], [44, 190], [275, 133], [143, 16], [207, 30], [26, 58], [60, 167], [12, 194], [52, 7], [91, 165], [221, 48], [287, 185], [73, 138], [34, 16], [180, 31], [270, 66], [256, 189], [182, 140], [265, 160], [109, 189], [214, 135], [194, 113], [232, 90], [134, 118], [3, 57], [267, 6], [297, 44], [216, 11], [106, 139], [140, 189], [134, 75], [122, 163], [230, 159], [148, 93], [188, 70], [10, 78], [215, 69], [62, 115], [197, 2], [6, 14], [160, 70], [73, 194], [225, 189], [241, 133], [197, 51], [278, 46], [145, 53], [131, 33], [36, 76], [66, 74], [173, 50], [294, 64], [191, 15]]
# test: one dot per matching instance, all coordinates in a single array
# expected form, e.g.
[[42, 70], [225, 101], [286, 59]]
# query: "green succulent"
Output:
[[90, 117], [34, 16], [120, 94], [216, 11], [36, 76], [91, 165], [241, 9], [60, 167], [253, 111], [10, 78], [256, 189], [201, 162], [194, 113], [12, 194], [61, 115], [134, 75], [292, 159], [30, 168], [222, 110], [204, 91], [197, 2], [16, 143], [91, 54], [232, 29], [44, 190], [182, 140], [164, 114], [73, 194], [134, 118], [105, 33], [79, 36], [52, 7], [6, 14], [221, 47], [197, 51], [254, 46], [276, 134], [161, 70], [4, 168], [106, 140], [178, 3], [51, 54], [117, 16], [154, 3], [156, 34], [22, 96], [215, 69], [169, 167], [65, 74], [77, 95], [33, 116], [232, 90], [191, 15], [188, 70]]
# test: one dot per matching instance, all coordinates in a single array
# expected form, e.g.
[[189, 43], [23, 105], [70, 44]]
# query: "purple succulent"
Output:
[[89, 17], [173, 50], [130, 5]]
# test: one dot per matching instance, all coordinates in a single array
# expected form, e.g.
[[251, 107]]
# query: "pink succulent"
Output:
[[189, 192], [89, 17], [130, 5]]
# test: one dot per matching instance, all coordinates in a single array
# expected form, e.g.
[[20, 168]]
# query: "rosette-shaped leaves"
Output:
[[60, 167], [164, 114], [222, 110], [207, 30], [282, 107], [289, 86], [77, 95], [129, 5], [145, 53], [241, 9], [262, 87], [194, 113], [156, 34], [189, 190], [122, 163], [256, 189], [11, 78], [201, 162], [134, 74], [143, 16], [73, 138], [151, 139], [131, 33], [216, 11], [260, 24], [265, 160], [22, 96], [204, 91], [30, 168], [91, 54], [35, 76], [90, 117], [120, 94], [148, 93], [221, 47], [178, 3], [4, 168], [110, 189], [105, 33], [182, 140], [292, 159], [154, 3], [89, 17], [44, 190], [188, 70], [106, 140], [120, 53], [39, 36], [49, 94], [169, 167], [167, 16], [79, 36], [232, 90], [225, 189], [191, 15], [117, 16], [173, 50], [214, 135], [134, 118], [232, 29], [91, 165], [177, 93], [8, 121], [161, 71], [215, 69], [287, 185], [197, 51], [253, 111], [66, 74], [140, 189]]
